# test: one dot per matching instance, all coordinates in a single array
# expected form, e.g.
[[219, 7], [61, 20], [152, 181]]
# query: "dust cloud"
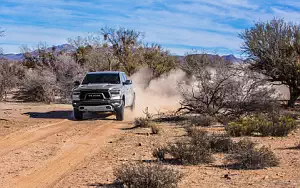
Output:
[[160, 95]]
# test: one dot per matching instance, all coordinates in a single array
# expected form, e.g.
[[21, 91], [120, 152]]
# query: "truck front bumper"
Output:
[[97, 106]]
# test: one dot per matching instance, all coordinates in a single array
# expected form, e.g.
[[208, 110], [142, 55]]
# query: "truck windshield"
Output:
[[101, 79]]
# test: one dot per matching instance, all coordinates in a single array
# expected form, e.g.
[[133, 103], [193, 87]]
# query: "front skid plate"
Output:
[[102, 108]]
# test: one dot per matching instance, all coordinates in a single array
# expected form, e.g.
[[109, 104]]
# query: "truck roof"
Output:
[[105, 72]]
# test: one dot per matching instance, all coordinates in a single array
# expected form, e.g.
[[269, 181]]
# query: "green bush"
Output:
[[137, 175], [242, 127], [280, 128], [245, 155], [262, 125]]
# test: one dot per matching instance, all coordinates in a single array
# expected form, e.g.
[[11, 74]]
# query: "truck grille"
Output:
[[94, 94]]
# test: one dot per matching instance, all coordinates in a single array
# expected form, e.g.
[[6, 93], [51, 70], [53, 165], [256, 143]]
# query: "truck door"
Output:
[[128, 97]]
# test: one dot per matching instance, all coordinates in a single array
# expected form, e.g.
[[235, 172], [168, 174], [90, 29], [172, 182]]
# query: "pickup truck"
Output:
[[108, 91]]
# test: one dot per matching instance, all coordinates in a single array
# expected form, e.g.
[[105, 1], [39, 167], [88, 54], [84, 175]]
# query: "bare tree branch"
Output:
[[223, 90]]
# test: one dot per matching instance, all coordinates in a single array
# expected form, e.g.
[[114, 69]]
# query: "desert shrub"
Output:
[[67, 71], [245, 155], [188, 153], [242, 127], [222, 89], [263, 125], [203, 121], [8, 77], [137, 175], [198, 148], [49, 78], [193, 131], [159, 153], [213, 142], [281, 127], [291, 115], [195, 150], [37, 86], [142, 122], [199, 137], [155, 129], [220, 142]]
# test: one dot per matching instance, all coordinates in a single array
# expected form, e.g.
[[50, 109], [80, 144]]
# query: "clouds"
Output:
[[177, 25]]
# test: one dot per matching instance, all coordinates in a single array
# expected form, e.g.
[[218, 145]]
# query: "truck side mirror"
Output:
[[76, 83], [127, 82]]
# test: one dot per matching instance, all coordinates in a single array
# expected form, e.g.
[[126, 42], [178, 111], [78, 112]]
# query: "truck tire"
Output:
[[78, 115], [133, 103], [120, 112]]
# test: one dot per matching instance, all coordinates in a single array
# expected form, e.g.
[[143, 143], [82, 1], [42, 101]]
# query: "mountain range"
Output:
[[69, 48], [20, 56]]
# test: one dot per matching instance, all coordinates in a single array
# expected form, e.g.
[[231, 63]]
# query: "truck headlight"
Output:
[[115, 93], [76, 96]]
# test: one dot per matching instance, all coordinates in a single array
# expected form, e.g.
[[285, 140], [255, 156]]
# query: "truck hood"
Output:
[[98, 86]]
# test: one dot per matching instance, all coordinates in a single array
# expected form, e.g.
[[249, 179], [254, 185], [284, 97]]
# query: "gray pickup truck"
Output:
[[108, 91]]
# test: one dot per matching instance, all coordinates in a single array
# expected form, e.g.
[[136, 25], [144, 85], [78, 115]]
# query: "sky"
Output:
[[180, 26]]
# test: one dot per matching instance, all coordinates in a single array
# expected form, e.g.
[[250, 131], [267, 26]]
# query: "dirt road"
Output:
[[42, 144]]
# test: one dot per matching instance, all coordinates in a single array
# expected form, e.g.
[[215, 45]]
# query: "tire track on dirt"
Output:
[[11, 143], [50, 173]]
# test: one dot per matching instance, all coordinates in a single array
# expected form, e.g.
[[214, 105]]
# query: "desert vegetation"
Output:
[[47, 74], [224, 106], [241, 97], [244, 154], [137, 175], [273, 50], [262, 125]]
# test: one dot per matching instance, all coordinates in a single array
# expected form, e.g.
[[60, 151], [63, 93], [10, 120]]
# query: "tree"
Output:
[[49, 75], [81, 54], [92, 53], [158, 61], [42, 57], [223, 90], [101, 59], [8, 77], [273, 49], [127, 47]]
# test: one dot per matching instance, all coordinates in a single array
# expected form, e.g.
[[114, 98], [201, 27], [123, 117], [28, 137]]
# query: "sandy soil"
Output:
[[41, 146]]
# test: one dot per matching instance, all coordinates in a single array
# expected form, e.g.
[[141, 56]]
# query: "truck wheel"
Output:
[[120, 112], [78, 115], [133, 103]]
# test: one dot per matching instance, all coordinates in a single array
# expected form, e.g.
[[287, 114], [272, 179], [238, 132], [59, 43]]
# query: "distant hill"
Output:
[[18, 57], [68, 49], [230, 57]]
